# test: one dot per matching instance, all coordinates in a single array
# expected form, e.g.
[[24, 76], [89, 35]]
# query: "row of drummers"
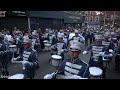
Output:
[[102, 52], [78, 38], [18, 48]]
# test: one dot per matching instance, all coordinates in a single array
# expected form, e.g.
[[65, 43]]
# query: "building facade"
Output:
[[92, 19], [40, 19]]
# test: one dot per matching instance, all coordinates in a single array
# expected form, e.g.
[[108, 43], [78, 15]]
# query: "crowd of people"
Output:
[[104, 45]]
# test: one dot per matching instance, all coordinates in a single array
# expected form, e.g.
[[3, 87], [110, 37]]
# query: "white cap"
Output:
[[76, 31], [98, 37], [2, 35], [33, 33], [75, 45], [27, 41], [112, 33]]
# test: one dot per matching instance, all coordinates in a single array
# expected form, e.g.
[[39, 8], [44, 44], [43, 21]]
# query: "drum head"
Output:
[[95, 71], [56, 57], [48, 45], [105, 59], [17, 76], [12, 46], [45, 41]]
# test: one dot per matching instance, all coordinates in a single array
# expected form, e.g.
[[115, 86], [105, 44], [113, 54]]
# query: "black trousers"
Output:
[[4, 66], [117, 62], [90, 40]]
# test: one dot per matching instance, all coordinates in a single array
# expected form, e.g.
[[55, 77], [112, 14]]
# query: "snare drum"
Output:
[[45, 41], [105, 61], [17, 76], [56, 59], [13, 48], [47, 46], [95, 72]]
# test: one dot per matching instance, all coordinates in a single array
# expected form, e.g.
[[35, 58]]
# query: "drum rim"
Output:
[[22, 75], [98, 69], [57, 56], [12, 46], [45, 41]]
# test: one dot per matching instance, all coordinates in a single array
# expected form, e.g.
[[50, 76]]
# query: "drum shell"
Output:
[[13, 49], [17, 76], [95, 77], [95, 73], [55, 62]]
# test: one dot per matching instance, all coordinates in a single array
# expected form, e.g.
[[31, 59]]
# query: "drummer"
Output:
[[4, 56], [60, 46], [19, 40], [30, 59], [35, 42], [95, 59], [73, 67], [78, 37]]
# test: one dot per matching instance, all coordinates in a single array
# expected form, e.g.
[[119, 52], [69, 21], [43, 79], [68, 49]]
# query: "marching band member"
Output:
[[8, 38], [78, 37], [107, 43], [19, 40], [74, 68], [30, 59], [60, 46], [35, 42], [4, 56], [61, 33], [46, 35], [95, 58]]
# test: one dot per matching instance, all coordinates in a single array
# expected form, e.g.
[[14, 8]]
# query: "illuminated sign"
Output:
[[19, 13], [2, 13]]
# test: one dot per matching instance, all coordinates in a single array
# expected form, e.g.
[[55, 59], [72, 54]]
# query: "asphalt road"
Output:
[[46, 67]]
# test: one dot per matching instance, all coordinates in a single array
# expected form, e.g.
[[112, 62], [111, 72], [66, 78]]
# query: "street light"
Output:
[[114, 18]]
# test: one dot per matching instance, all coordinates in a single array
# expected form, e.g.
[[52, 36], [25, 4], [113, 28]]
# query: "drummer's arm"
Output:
[[35, 59], [89, 48], [61, 68], [86, 72]]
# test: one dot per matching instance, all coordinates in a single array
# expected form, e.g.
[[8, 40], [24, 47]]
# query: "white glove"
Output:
[[111, 55], [49, 76], [110, 50], [1, 52], [62, 50], [27, 63], [85, 52], [15, 59], [76, 77], [101, 53]]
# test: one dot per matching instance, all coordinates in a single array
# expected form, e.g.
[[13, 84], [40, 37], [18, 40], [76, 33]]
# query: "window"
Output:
[[91, 13], [97, 19], [91, 19], [86, 19], [86, 13]]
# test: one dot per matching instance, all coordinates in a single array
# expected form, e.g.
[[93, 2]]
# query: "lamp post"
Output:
[[113, 17], [104, 17]]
